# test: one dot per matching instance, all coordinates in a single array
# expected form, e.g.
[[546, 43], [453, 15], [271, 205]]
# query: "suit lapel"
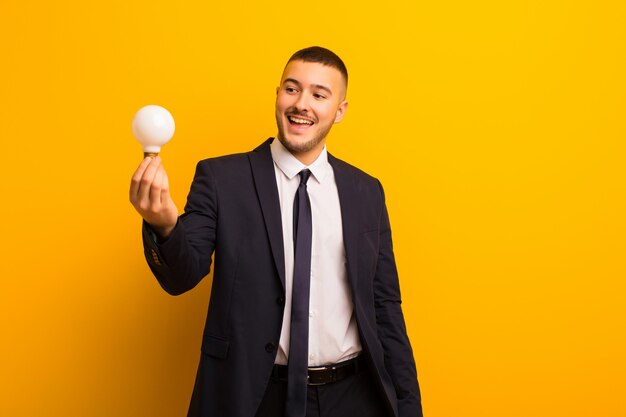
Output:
[[348, 199], [267, 192], [265, 182]]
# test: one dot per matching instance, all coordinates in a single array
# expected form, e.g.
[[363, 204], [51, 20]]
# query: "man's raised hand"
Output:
[[149, 194]]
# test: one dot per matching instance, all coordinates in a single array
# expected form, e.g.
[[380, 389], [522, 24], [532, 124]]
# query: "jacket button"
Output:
[[280, 301], [269, 347]]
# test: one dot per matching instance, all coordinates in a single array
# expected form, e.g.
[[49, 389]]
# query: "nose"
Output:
[[302, 103]]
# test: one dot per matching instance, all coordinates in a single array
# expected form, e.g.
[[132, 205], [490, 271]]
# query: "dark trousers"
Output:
[[357, 395]]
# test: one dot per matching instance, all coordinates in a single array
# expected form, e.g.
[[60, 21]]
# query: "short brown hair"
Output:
[[323, 56]]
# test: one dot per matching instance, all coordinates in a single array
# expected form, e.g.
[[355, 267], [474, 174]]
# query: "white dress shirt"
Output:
[[333, 334]]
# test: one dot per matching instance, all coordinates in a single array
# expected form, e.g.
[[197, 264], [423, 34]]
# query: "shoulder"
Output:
[[361, 178], [237, 161], [224, 161]]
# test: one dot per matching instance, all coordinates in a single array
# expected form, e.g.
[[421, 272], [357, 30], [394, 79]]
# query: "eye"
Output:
[[319, 96], [291, 90]]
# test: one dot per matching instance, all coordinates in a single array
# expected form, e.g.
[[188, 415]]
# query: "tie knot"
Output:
[[304, 176]]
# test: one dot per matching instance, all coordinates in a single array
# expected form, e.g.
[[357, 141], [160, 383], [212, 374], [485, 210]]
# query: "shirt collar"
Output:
[[290, 166]]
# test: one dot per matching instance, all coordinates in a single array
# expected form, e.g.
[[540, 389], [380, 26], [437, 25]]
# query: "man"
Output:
[[304, 317]]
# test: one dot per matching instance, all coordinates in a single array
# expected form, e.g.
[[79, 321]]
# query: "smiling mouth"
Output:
[[295, 120]]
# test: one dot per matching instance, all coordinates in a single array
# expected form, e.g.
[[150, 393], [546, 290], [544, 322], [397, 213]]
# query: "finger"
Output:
[[155, 189], [143, 194], [165, 189], [135, 181]]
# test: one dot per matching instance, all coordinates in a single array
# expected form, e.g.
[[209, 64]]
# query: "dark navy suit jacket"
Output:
[[233, 213]]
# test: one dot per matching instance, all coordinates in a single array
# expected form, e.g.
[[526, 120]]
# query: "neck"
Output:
[[308, 157]]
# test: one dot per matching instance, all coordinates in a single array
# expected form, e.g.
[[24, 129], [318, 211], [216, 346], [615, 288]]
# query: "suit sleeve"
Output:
[[181, 261], [392, 333]]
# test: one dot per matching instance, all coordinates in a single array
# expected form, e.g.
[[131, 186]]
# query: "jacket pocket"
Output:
[[215, 346]]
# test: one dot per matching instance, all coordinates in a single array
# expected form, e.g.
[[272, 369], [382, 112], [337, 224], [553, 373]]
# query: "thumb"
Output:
[[165, 190]]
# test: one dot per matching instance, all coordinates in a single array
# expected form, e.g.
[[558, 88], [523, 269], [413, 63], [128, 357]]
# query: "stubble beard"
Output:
[[296, 148]]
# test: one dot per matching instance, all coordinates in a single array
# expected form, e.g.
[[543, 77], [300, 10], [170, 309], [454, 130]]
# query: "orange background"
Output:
[[496, 127]]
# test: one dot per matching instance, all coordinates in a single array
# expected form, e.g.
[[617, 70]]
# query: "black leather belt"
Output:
[[320, 375]]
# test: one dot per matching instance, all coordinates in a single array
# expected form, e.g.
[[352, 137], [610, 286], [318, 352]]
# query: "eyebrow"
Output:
[[320, 86]]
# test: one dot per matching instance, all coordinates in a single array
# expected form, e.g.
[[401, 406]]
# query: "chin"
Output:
[[299, 144]]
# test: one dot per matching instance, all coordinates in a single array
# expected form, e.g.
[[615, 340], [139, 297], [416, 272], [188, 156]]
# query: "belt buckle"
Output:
[[320, 368]]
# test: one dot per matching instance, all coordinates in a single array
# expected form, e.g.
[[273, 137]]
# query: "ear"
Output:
[[341, 111], [277, 90]]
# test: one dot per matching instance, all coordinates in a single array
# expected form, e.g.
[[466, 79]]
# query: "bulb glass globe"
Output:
[[153, 126]]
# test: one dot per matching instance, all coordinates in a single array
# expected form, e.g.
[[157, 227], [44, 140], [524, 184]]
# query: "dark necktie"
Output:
[[299, 332]]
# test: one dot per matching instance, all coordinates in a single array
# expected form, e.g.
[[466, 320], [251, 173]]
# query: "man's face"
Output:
[[309, 100]]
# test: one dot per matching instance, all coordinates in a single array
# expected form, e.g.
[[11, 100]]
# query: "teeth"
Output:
[[300, 121]]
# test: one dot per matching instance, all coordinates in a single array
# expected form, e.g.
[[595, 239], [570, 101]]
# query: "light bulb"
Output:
[[153, 126]]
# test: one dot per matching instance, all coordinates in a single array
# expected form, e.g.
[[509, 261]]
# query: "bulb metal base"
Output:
[[150, 154]]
